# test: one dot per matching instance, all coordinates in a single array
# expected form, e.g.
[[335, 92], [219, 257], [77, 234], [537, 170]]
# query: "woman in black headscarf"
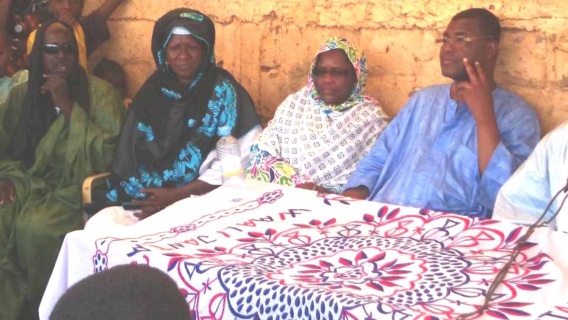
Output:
[[166, 148]]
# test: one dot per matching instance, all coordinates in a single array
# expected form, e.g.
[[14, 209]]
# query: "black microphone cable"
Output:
[[516, 250]]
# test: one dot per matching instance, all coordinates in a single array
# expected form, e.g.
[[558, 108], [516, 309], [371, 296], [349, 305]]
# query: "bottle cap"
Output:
[[224, 131]]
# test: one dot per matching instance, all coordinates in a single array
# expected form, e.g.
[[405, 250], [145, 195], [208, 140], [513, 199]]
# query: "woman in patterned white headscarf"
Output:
[[319, 134]]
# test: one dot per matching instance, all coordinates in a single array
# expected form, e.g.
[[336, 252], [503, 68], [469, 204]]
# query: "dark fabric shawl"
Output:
[[38, 110], [166, 118]]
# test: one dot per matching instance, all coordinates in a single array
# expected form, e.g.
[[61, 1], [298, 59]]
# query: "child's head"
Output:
[[126, 292], [112, 72]]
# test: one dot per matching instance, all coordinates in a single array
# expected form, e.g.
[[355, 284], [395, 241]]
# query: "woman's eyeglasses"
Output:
[[52, 48], [334, 73]]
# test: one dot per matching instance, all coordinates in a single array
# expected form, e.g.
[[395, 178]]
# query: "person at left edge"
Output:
[[58, 128], [8, 78]]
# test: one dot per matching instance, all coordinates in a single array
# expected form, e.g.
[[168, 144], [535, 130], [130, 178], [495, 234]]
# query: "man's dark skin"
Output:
[[57, 68]]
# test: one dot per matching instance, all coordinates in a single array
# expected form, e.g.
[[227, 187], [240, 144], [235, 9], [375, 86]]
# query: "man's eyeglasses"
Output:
[[334, 73], [460, 40], [52, 48]]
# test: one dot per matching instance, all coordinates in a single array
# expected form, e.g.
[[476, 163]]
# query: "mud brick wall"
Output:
[[268, 45]]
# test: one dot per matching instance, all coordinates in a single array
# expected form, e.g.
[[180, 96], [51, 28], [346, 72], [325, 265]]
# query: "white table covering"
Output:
[[271, 252]]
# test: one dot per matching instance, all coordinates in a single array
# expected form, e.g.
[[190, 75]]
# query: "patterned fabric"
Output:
[[309, 141], [523, 198], [274, 252], [171, 128], [360, 66], [427, 156]]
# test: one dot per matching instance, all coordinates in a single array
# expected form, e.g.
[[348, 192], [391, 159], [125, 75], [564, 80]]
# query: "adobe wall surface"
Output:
[[268, 45]]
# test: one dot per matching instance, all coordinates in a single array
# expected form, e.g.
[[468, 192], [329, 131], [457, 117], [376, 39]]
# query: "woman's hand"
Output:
[[156, 200], [159, 198], [7, 191]]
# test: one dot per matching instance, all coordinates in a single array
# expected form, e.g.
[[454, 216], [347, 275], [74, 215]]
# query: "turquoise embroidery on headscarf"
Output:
[[359, 64], [171, 94], [161, 60], [196, 80], [192, 15]]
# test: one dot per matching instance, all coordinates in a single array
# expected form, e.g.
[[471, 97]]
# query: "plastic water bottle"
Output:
[[229, 155]]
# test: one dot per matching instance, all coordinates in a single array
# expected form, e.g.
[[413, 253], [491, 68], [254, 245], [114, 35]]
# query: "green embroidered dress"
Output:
[[48, 194]]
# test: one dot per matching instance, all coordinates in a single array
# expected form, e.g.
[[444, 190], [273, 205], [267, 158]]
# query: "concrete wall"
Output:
[[268, 45]]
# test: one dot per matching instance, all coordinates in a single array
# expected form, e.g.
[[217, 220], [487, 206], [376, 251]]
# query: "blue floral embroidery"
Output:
[[222, 109], [222, 113], [184, 170], [147, 131], [209, 122], [228, 96], [112, 195], [132, 187], [187, 167], [168, 175], [149, 179]]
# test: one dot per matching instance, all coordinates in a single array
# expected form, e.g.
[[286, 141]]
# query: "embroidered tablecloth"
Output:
[[271, 252]]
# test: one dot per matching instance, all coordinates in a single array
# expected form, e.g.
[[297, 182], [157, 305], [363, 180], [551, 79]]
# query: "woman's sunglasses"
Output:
[[52, 48]]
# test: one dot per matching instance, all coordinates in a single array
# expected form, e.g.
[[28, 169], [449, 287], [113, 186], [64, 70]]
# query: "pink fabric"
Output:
[[269, 250]]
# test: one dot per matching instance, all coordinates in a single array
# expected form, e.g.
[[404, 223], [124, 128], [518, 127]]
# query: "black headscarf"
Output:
[[171, 125], [38, 111], [151, 102]]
